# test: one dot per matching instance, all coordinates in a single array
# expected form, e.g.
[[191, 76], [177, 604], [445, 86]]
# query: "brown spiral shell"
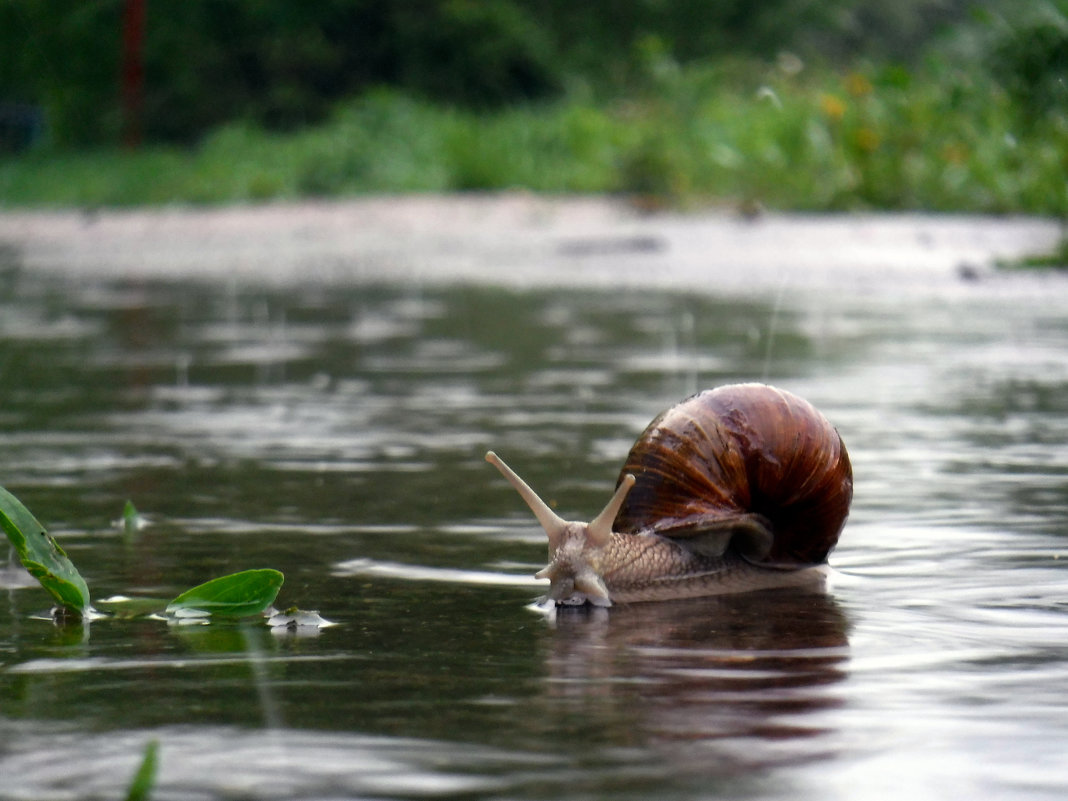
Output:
[[744, 454]]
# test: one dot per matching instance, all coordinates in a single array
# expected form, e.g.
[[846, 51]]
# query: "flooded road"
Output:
[[316, 393]]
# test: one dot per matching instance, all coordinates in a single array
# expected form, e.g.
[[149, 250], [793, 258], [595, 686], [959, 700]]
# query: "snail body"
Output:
[[737, 488]]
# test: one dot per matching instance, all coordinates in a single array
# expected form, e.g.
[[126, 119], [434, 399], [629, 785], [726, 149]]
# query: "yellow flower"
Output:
[[832, 106], [857, 85], [866, 139], [955, 153]]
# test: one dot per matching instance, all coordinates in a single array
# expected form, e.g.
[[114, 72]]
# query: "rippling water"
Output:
[[336, 432]]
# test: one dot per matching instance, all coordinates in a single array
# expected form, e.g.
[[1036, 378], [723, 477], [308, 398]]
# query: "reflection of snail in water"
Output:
[[717, 686], [737, 488]]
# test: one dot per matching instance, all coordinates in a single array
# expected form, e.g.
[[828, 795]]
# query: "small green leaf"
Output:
[[145, 778], [41, 555], [236, 595], [131, 520]]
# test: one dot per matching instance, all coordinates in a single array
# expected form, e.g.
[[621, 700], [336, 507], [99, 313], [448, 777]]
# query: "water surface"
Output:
[[335, 430]]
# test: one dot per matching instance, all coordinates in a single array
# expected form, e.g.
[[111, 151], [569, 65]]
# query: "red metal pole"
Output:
[[133, 71]]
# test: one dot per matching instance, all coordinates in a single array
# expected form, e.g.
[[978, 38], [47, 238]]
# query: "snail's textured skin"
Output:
[[738, 488], [654, 568]]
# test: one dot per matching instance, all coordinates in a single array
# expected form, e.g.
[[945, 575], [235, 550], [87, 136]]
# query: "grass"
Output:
[[1057, 259], [944, 139]]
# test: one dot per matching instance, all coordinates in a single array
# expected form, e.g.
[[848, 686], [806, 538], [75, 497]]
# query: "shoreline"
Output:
[[519, 240]]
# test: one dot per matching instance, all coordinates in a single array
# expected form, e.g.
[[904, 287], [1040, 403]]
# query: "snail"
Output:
[[737, 488]]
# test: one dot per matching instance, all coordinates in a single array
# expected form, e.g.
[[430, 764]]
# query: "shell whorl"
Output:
[[747, 457]]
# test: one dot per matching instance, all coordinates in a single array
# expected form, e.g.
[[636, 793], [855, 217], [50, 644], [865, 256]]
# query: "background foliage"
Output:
[[282, 64], [959, 104]]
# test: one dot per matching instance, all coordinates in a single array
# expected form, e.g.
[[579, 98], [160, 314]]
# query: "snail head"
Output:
[[575, 549]]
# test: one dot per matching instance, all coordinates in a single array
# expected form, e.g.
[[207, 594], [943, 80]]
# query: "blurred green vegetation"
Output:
[[843, 104]]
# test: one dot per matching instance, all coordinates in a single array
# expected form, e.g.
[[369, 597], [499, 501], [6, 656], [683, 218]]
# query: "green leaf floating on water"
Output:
[[42, 556], [237, 595]]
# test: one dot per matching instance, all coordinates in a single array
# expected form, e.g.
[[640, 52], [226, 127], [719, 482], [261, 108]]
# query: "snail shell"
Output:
[[748, 463], [737, 488]]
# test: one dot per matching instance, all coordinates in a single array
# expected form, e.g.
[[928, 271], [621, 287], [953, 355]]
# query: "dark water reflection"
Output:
[[720, 685], [336, 433]]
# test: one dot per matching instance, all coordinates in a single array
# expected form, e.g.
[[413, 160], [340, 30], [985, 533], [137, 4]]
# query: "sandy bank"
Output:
[[517, 239]]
